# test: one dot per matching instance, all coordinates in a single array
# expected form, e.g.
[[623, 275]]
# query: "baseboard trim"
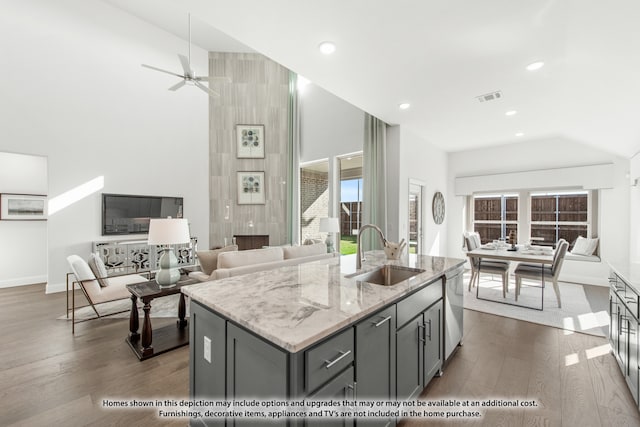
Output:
[[584, 280], [23, 281], [52, 288]]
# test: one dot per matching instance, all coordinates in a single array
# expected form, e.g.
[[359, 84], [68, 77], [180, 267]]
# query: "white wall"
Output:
[[329, 126], [411, 157], [613, 215], [23, 244], [634, 209], [73, 90]]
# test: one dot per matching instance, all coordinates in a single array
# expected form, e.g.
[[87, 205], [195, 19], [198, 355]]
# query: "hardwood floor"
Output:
[[49, 377]]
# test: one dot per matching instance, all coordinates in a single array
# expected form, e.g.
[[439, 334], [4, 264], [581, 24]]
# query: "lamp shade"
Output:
[[330, 225], [168, 231]]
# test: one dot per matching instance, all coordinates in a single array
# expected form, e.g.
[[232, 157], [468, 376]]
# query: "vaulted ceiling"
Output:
[[439, 55]]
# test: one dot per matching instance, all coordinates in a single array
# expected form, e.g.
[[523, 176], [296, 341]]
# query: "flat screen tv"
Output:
[[129, 214]]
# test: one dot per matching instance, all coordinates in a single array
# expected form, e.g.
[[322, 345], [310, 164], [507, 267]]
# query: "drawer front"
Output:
[[326, 360], [415, 304], [631, 299]]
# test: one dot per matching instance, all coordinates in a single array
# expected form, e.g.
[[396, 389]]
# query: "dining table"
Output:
[[519, 253]]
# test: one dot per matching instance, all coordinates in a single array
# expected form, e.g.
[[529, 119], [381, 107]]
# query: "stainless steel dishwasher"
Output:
[[453, 310]]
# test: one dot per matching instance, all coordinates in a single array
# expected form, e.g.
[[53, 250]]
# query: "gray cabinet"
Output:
[[376, 360], [432, 341], [207, 355], [254, 369], [623, 330], [410, 359], [340, 388]]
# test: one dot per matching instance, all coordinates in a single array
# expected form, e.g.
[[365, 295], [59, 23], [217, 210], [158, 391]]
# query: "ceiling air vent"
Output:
[[491, 96]]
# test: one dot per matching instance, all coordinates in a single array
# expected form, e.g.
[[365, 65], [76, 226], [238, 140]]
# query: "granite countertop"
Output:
[[296, 306], [629, 272]]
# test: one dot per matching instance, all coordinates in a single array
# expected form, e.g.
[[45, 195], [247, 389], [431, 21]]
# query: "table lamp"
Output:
[[166, 232], [329, 225]]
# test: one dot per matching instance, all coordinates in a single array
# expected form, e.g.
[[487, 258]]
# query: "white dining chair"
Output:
[[536, 271], [492, 267]]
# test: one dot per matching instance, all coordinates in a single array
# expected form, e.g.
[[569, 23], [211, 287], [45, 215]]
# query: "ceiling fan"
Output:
[[189, 77]]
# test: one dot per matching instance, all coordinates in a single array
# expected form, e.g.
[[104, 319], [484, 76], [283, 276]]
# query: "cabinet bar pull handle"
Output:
[[382, 321], [343, 354], [421, 336], [429, 329]]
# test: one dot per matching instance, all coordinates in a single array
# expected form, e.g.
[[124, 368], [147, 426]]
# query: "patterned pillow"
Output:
[[99, 270]]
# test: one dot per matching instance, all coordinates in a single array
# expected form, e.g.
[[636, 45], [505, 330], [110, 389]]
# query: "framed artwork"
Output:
[[23, 207], [250, 141], [251, 188]]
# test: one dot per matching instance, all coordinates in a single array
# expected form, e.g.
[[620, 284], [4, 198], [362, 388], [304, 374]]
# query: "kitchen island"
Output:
[[315, 331]]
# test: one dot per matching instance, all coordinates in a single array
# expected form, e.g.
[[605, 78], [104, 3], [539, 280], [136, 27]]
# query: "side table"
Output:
[[166, 338]]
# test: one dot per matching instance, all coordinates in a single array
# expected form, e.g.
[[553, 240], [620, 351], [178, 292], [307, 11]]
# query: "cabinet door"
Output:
[[376, 360], [432, 341], [255, 369], [340, 388], [613, 321], [409, 359], [207, 356], [631, 326], [623, 334]]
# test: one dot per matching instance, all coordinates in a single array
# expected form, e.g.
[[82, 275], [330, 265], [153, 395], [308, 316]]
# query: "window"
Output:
[[495, 216], [350, 201], [559, 215]]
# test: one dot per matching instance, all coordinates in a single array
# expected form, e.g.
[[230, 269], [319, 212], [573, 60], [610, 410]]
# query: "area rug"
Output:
[[576, 313], [160, 307]]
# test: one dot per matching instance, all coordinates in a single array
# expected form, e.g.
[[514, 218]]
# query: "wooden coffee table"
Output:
[[165, 338]]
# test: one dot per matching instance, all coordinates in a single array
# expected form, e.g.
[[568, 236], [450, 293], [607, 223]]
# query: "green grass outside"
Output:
[[347, 245]]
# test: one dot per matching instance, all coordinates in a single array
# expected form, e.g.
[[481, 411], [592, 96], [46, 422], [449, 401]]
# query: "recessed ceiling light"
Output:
[[519, 134], [404, 106], [535, 65], [327, 47], [511, 113]]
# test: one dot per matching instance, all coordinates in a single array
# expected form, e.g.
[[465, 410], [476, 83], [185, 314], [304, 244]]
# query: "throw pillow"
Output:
[[584, 246], [99, 270], [209, 259]]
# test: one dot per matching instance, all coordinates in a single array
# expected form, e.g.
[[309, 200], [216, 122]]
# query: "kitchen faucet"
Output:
[[359, 253]]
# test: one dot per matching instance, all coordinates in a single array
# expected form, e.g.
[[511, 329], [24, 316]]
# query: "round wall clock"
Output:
[[438, 207]]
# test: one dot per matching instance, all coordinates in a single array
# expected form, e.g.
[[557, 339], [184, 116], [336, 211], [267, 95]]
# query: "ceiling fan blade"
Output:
[[211, 92], [216, 79], [178, 85], [162, 71], [185, 64]]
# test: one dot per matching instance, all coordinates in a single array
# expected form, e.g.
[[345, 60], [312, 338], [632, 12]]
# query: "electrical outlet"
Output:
[[207, 349]]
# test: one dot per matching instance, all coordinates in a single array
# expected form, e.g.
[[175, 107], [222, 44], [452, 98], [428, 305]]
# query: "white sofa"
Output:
[[235, 263]]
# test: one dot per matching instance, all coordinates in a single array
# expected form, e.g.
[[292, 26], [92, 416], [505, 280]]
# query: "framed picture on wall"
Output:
[[251, 189], [23, 207], [250, 141]]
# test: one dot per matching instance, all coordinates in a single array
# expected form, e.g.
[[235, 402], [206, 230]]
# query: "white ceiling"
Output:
[[439, 55]]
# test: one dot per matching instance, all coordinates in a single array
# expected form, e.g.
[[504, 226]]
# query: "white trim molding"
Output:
[[586, 177]]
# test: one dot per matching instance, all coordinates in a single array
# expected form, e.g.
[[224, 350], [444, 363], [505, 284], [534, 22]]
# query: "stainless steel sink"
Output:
[[387, 275]]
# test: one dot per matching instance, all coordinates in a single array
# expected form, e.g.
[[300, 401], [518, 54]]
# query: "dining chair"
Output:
[[472, 241], [536, 271]]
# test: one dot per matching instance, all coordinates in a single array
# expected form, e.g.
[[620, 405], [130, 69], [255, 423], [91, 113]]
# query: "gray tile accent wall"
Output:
[[258, 94]]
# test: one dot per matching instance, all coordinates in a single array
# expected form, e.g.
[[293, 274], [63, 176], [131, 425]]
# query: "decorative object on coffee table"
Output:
[[438, 207], [166, 232], [250, 141], [251, 188], [329, 226]]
